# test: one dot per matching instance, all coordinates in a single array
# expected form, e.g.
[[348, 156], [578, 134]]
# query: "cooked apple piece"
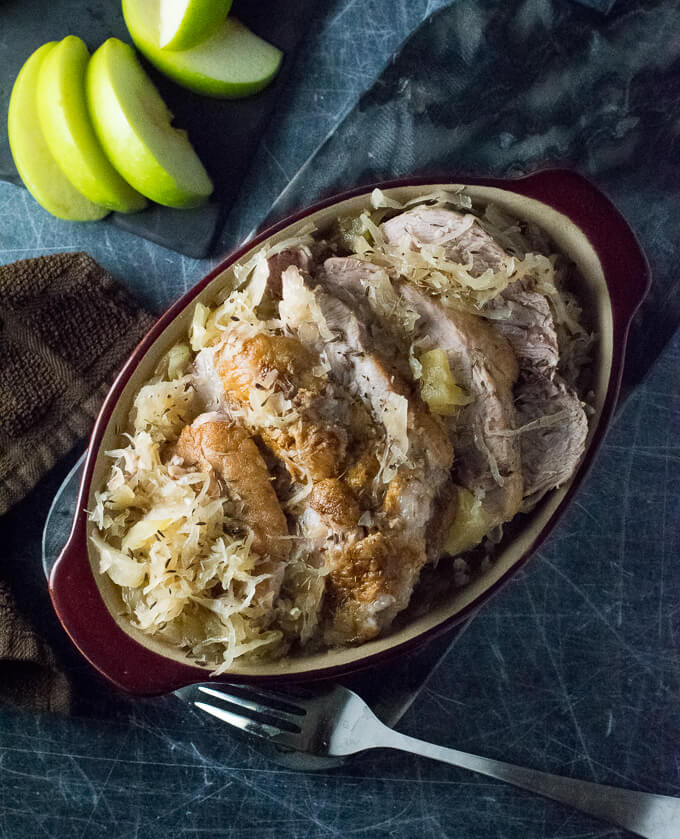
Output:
[[178, 360], [133, 125], [68, 130], [438, 388], [36, 164], [185, 23], [470, 525], [231, 63]]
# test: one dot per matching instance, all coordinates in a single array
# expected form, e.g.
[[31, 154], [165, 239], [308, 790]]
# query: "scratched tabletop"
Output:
[[573, 668]]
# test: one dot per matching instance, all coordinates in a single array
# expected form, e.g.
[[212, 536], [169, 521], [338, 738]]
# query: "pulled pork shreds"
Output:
[[170, 536]]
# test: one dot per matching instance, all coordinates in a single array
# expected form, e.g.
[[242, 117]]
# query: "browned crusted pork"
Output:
[[312, 444], [416, 459], [228, 451]]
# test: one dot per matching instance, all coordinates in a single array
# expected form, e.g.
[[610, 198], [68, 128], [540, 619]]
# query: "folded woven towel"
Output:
[[66, 328], [30, 676]]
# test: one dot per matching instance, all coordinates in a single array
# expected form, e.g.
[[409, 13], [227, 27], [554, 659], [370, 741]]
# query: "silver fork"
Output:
[[337, 722]]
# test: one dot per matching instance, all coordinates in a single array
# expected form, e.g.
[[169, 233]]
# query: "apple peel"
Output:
[[68, 130], [185, 23], [231, 63], [35, 163], [134, 127]]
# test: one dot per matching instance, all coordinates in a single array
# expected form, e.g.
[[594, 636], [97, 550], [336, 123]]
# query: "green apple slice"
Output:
[[233, 62], [69, 133], [185, 23], [36, 164], [134, 127]]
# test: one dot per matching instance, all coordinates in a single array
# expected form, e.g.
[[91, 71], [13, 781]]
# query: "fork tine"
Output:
[[282, 719], [257, 699], [259, 729]]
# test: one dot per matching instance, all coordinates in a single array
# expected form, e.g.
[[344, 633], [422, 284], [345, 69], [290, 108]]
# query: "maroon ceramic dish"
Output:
[[583, 224]]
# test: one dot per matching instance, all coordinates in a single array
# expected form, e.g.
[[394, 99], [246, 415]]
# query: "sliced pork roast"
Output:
[[337, 408], [523, 317], [372, 574], [463, 238], [487, 463], [551, 452]]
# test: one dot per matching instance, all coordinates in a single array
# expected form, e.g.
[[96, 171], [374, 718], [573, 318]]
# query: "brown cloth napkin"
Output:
[[66, 327], [30, 677]]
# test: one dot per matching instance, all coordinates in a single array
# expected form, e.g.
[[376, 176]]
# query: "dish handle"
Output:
[[88, 622], [613, 240]]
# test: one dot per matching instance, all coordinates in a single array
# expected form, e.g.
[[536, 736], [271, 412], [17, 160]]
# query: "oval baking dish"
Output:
[[582, 223]]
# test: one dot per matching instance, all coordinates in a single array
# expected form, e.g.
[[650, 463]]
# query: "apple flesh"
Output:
[[185, 23], [231, 63], [68, 130], [34, 160], [134, 127]]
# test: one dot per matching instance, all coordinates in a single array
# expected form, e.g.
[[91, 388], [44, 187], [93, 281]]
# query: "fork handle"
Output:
[[648, 815]]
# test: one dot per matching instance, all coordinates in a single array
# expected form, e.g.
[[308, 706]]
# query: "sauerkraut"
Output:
[[172, 536], [185, 571]]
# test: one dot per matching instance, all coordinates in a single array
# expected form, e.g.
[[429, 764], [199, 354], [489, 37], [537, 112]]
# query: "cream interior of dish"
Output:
[[345, 426]]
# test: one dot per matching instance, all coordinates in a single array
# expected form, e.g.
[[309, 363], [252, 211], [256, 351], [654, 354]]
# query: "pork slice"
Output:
[[373, 579], [228, 451], [550, 454], [524, 318], [310, 442], [370, 293], [372, 575], [277, 263], [306, 447], [349, 278], [463, 238], [483, 363]]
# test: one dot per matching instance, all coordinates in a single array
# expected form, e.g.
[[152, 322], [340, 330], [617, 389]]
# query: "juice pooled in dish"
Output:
[[359, 404]]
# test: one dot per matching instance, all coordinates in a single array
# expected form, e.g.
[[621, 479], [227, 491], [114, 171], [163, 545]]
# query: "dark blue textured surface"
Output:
[[601, 5], [573, 668], [500, 89]]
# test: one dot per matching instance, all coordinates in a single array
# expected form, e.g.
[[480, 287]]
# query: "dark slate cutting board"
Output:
[[225, 133]]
